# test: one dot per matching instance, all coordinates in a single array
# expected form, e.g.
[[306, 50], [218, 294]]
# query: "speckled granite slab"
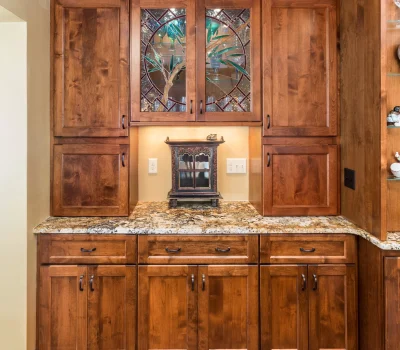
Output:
[[229, 218]]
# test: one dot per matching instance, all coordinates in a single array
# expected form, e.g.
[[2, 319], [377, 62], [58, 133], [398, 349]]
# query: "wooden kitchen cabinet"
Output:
[[228, 307], [167, 308], [87, 307], [312, 307], [90, 68], [300, 179], [196, 61], [198, 307], [300, 67], [90, 179]]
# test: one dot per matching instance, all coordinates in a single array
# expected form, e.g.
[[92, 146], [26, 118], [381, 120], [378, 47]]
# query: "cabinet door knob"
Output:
[[91, 283], [192, 282], [81, 283], [312, 250], [315, 286], [203, 279], [172, 250], [123, 159], [83, 250], [123, 122], [219, 250], [303, 282]]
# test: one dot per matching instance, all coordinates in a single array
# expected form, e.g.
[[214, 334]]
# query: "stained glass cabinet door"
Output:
[[228, 60], [163, 61]]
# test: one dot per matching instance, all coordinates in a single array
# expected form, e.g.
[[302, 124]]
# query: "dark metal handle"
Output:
[[123, 160], [303, 282], [312, 250], [81, 283], [91, 283], [123, 122], [83, 250], [201, 106], [192, 282], [219, 250], [315, 286], [269, 121], [172, 250], [269, 160], [191, 106], [203, 278]]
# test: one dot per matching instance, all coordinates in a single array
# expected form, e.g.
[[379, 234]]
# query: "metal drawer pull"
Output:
[[269, 121], [91, 283], [192, 282], [312, 250], [315, 286], [172, 250], [269, 160], [123, 122], [81, 283], [201, 106], [83, 250], [219, 250], [203, 282], [304, 282], [123, 160], [191, 106]]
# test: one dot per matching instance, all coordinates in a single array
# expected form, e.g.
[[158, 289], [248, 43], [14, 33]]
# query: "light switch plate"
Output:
[[236, 166], [153, 166]]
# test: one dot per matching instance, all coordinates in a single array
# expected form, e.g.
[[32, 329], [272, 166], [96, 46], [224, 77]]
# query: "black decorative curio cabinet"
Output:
[[194, 171]]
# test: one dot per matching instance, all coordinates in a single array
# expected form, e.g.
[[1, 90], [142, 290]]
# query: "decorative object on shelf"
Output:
[[395, 167], [212, 137], [394, 117], [397, 2], [194, 170]]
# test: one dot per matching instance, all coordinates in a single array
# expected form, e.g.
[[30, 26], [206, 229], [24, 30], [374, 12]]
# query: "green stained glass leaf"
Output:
[[152, 70], [227, 49], [220, 37], [178, 30], [239, 68], [152, 62], [236, 55], [171, 63]]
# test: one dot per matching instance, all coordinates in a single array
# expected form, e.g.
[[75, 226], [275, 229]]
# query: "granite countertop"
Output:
[[229, 218]]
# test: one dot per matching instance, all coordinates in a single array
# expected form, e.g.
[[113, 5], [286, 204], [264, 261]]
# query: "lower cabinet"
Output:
[[308, 307], [198, 307], [87, 307]]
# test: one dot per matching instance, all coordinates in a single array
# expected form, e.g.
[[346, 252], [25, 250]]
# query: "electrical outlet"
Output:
[[236, 166], [152, 165], [350, 178]]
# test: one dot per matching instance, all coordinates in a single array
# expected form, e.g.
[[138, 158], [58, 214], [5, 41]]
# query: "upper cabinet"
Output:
[[91, 68], [300, 68], [196, 61]]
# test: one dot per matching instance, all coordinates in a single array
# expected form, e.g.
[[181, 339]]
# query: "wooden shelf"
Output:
[[183, 123], [393, 178], [393, 127]]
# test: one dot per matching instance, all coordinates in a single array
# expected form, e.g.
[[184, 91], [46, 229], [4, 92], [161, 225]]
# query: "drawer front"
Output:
[[198, 249], [335, 248], [83, 249]]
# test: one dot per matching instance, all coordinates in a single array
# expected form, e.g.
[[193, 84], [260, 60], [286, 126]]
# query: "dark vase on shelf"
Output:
[[194, 171]]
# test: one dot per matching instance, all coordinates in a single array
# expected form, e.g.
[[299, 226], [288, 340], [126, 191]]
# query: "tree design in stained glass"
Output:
[[163, 60], [228, 86]]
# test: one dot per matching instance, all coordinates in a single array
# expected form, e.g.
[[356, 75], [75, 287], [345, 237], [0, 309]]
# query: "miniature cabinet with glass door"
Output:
[[196, 61]]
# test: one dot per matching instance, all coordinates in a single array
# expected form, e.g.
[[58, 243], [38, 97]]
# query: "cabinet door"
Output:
[[91, 67], [333, 307], [228, 60], [300, 67], [63, 308], [284, 307], [300, 180], [392, 303], [111, 307], [163, 61], [90, 180], [228, 307], [167, 307]]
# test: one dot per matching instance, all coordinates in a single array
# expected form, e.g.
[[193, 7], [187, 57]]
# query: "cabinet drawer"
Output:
[[198, 249], [335, 248], [80, 249]]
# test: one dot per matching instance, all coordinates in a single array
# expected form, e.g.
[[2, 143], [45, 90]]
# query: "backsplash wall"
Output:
[[155, 187]]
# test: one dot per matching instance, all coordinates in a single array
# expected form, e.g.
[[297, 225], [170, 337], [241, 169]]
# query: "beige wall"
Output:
[[151, 145], [19, 253]]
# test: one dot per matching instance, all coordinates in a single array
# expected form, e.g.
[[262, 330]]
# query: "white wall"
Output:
[[18, 246], [13, 184]]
